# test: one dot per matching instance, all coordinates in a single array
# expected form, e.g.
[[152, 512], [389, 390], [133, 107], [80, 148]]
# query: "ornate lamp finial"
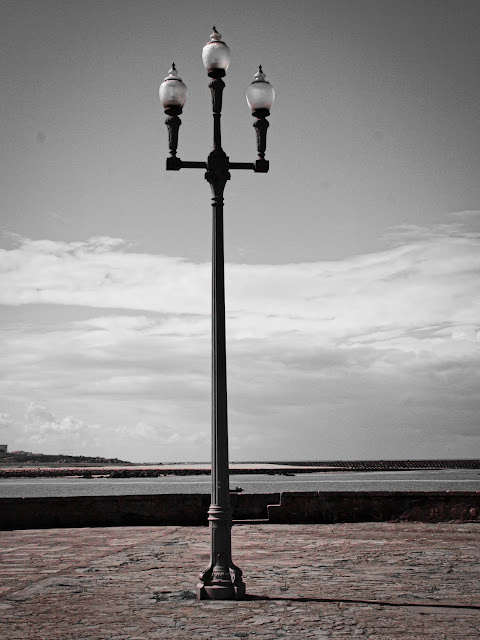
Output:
[[215, 36], [173, 74], [260, 76]]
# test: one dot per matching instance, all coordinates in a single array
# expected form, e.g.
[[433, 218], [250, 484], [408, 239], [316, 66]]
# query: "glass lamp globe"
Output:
[[260, 94], [173, 93], [216, 55]]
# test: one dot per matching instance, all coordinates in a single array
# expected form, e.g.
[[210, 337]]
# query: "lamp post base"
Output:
[[224, 590], [222, 579]]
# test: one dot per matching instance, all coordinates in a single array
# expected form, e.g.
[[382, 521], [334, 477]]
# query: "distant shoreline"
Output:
[[129, 470]]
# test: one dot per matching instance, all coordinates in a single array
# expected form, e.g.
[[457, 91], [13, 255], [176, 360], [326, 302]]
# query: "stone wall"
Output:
[[376, 506], [285, 508], [104, 511]]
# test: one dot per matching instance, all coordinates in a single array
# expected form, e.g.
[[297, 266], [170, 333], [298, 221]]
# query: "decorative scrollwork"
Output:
[[261, 125], [216, 87], [173, 123]]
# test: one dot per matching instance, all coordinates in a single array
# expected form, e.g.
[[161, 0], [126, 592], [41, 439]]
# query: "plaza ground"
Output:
[[370, 580]]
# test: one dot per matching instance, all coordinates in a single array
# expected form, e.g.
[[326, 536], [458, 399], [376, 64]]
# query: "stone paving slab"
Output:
[[403, 581]]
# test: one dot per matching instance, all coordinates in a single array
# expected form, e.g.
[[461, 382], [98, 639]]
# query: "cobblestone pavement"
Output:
[[371, 580]]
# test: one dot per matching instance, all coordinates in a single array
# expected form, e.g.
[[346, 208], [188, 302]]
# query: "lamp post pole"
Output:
[[221, 580]]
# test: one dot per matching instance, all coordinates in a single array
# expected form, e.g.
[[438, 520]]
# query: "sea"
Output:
[[415, 480]]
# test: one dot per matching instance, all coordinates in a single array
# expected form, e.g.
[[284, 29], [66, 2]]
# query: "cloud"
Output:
[[6, 422], [98, 274], [43, 431], [428, 277], [379, 350], [155, 435], [466, 213]]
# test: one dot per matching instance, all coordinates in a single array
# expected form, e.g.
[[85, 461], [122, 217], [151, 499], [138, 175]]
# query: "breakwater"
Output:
[[279, 508], [269, 468], [384, 465]]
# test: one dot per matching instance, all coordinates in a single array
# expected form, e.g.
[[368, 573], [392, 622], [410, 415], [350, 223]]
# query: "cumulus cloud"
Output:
[[379, 349], [41, 430]]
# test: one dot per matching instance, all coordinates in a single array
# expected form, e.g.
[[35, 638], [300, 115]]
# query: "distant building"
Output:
[[3, 449]]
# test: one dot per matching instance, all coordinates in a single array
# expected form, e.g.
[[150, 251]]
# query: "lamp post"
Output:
[[221, 580]]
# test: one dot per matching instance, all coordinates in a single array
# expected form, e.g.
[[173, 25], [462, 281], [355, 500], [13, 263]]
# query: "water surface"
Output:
[[434, 480]]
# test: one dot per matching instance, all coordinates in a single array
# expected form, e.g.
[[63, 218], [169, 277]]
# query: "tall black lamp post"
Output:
[[221, 580]]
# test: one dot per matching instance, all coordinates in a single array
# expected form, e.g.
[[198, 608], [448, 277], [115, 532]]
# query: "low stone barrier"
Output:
[[285, 508], [102, 511], [322, 507], [116, 511]]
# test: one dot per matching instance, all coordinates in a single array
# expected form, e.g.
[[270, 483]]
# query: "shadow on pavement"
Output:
[[382, 603]]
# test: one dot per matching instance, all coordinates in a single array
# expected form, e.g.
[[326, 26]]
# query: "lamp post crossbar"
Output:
[[175, 164], [222, 579]]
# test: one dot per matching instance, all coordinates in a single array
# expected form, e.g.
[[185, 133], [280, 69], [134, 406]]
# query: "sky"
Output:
[[352, 267]]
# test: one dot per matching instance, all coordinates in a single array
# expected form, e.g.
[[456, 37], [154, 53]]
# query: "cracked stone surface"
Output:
[[368, 580]]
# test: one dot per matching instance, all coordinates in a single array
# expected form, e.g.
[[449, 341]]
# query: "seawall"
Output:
[[285, 508]]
